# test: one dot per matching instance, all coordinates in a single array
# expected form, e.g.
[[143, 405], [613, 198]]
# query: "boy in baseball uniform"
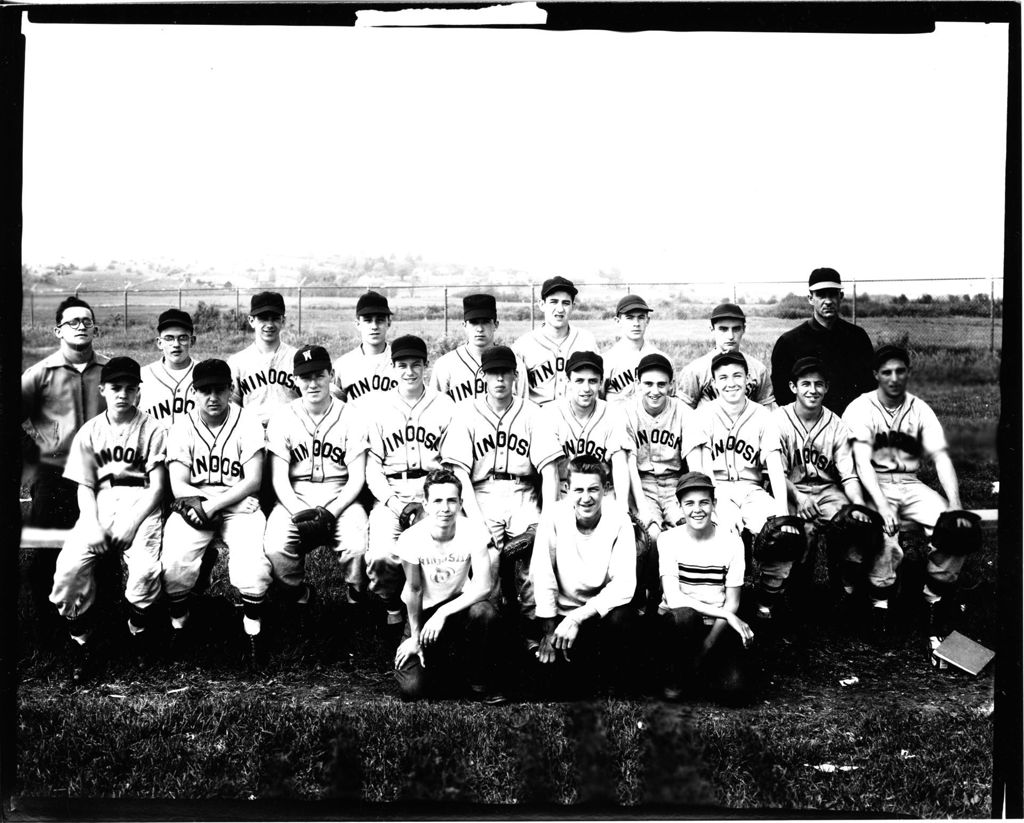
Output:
[[405, 428], [584, 576], [457, 373], [893, 432], [702, 568], [167, 391], [366, 371], [545, 351], [632, 315], [452, 626], [215, 463], [739, 445], [696, 383], [317, 448], [117, 461]]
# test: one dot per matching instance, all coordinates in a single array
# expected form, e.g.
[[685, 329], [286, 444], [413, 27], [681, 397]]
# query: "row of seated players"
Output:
[[321, 453]]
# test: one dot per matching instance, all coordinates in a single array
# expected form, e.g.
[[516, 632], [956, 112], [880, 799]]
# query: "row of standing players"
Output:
[[394, 430]]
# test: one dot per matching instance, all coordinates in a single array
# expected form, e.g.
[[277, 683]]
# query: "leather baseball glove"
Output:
[[410, 514], [191, 508], [772, 543], [316, 528], [520, 546]]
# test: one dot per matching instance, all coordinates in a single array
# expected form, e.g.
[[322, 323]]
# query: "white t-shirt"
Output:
[[444, 567]]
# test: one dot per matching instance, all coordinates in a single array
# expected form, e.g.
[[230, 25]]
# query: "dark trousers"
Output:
[[703, 656], [468, 647], [54, 506]]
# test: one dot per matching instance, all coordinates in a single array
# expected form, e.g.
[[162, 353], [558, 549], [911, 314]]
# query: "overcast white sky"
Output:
[[698, 156]]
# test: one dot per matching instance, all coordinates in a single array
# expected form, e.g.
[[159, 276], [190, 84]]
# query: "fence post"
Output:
[[179, 299], [533, 306], [126, 311], [445, 311], [32, 307], [854, 301], [300, 310], [992, 316], [238, 305], [734, 292]]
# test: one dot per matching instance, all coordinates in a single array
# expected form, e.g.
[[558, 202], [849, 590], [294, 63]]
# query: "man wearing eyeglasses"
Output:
[[58, 394], [167, 392]]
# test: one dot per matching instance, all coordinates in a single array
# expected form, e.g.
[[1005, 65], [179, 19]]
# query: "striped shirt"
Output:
[[704, 568]]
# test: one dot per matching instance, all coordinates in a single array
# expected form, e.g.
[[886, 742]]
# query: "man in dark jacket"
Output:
[[844, 348]]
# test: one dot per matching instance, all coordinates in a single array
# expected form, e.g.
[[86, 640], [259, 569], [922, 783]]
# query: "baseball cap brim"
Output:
[[826, 284]]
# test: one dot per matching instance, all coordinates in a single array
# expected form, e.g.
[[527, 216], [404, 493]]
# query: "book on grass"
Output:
[[964, 653]]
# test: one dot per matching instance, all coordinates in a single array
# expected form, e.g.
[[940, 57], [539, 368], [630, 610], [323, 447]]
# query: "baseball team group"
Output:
[[542, 510]]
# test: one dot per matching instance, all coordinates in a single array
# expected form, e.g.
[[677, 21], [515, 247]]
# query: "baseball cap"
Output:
[[266, 301], [553, 284], [806, 365], [212, 372], [824, 279], [174, 317], [120, 368], [725, 358], [408, 345], [693, 480], [631, 302], [372, 303], [479, 307], [890, 352], [310, 359], [725, 311], [653, 361], [498, 358], [580, 359]]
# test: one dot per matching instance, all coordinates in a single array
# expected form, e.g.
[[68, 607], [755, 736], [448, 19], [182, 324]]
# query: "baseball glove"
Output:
[[847, 530], [316, 528], [520, 546], [952, 539], [772, 543], [644, 544], [191, 508], [410, 515]]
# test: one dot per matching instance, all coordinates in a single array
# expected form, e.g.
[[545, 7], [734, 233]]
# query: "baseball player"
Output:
[[581, 424], [702, 569], [215, 463], [167, 391], [366, 370], [584, 576], [739, 444], [447, 581], [893, 431], [457, 373], [697, 386], [818, 460], [632, 315], [405, 430], [117, 461], [318, 460], [544, 351]]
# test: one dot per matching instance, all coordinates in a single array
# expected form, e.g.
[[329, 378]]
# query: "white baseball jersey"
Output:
[[167, 394], [738, 448], [900, 438], [358, 375], [545, 359], [817, 455], [458, 375], [263, 381], [317, 451], [620, 378], [563, 436], [697, 388], [660, 442], [124, 453], [407, 436], [444, 567], [483, 442], [215, 458]]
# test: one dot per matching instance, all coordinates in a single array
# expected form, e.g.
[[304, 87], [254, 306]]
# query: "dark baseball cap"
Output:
[[725, 358], [174, 317], [581, 359], [372, 303], [479, 307], [693, 480], [890, 352], [553, 284], [311, 359], [654, 361], [408, 345], [212, 372], [120, 369], [727, 311], [631, 302], [266, 301], [824, 279], [498, 358], [806, 365]]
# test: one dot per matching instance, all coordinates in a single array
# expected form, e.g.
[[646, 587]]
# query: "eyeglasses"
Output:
[[176, 338], [78, 323]]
